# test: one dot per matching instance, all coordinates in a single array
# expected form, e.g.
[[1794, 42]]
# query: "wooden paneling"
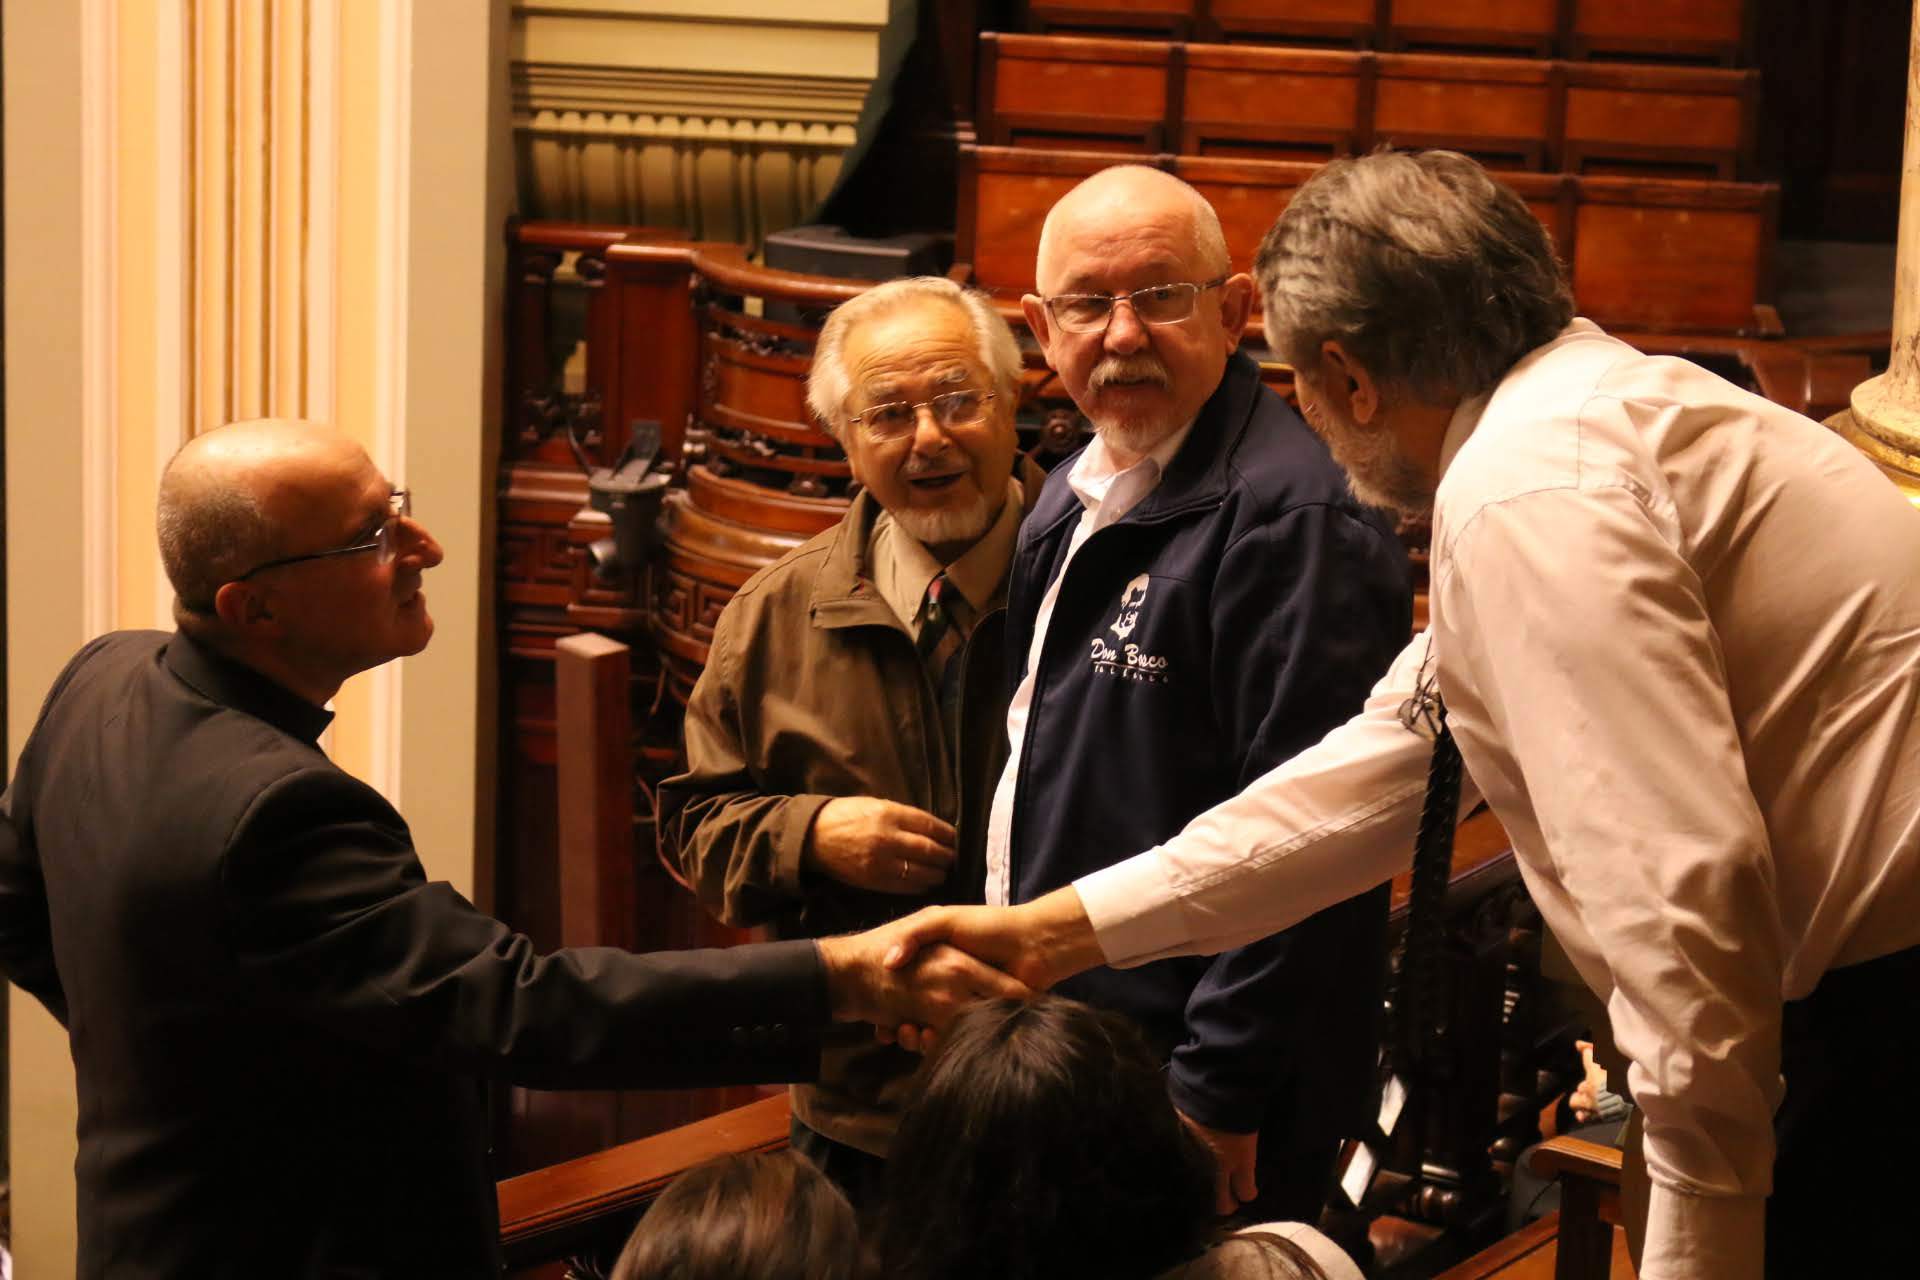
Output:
[[1279, 103], [1501, 109], [1172, 16], [1669, 266], [1530, 25], [1697, 30], [1064, 91], [1069, 93], [1712, 29], [1355, 21]]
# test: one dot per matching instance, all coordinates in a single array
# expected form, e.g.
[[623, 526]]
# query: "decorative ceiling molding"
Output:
[[723, 118], [656, 91]]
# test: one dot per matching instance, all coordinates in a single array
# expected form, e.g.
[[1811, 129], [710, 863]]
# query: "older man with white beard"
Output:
[[1196, 597], [843, 740]]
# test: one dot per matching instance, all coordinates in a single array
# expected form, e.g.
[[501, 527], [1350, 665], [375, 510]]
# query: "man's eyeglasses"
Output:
[[1155, 304], [383, 541], [897, 420]]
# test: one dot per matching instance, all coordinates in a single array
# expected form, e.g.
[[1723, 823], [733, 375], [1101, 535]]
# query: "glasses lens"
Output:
[[1165, 304], [386, 539], [886, 421], [1081, 312], [958, 408]]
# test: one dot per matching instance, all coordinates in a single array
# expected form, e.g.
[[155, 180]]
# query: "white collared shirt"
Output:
[[1106, 492], [1678, 632]]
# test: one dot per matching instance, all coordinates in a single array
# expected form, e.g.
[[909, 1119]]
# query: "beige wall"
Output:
[[295, 211]]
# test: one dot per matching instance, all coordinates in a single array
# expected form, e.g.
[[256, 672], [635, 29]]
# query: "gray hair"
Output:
[[210, 534], [828, 384], [1433, 275]]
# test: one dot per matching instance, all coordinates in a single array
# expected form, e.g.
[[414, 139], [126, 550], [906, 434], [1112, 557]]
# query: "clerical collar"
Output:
[[232, 684]]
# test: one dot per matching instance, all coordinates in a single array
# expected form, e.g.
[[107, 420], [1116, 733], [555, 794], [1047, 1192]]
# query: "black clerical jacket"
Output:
[[279, 1025]]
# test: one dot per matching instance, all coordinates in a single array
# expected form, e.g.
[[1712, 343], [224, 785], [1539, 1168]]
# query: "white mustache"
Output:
[[1141, 366], [918, 465]]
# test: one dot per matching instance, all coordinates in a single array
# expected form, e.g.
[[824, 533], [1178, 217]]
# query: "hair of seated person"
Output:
[[756, 1216], [1042, 1143]]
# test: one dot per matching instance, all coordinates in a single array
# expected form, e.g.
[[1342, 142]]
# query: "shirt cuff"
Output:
[[1704, 1237], [1134, 909]]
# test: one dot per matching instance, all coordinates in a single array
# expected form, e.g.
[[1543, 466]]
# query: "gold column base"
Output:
[[1895, 452]]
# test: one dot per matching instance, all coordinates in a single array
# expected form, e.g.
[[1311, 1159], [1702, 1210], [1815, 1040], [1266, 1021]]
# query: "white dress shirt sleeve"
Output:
[[1331, 822], [1608, 700]]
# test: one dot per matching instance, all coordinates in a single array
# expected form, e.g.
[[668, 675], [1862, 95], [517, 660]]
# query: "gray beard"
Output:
[[1379, 474], [1135, 438], [932, 528]]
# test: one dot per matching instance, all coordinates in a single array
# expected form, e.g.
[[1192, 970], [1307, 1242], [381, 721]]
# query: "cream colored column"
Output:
[[1884, 422]]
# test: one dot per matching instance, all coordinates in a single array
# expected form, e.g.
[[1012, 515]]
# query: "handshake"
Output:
[[910, 977]]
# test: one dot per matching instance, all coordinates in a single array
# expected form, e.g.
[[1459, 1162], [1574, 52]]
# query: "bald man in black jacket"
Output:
[[280, 1027]]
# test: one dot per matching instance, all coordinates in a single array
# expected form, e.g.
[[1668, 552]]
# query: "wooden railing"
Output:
[[587, 1206], [1578, 1242]]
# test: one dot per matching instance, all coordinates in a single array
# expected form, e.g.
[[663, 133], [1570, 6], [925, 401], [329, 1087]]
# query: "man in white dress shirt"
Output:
[[1677, 631]]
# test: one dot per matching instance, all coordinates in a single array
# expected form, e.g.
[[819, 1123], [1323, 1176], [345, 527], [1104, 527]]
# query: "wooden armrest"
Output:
[[1578, 1158], [543, 1213]]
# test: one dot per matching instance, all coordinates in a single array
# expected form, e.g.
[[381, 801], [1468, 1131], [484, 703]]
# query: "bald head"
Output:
[[1127, 200], [1119, 239], [230, 497]]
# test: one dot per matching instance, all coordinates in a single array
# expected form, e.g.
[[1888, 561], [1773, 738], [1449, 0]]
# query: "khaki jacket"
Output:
[[813, 690]]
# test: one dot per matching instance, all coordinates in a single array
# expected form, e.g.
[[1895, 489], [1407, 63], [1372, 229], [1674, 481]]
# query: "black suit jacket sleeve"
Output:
[[333, 920], [26, 933], [26, 927]]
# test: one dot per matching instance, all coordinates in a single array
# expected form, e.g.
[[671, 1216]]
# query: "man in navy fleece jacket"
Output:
[[1195, 597]]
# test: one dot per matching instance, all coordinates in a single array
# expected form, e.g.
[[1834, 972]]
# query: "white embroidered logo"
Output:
[[1127, 662], [1130, 602]]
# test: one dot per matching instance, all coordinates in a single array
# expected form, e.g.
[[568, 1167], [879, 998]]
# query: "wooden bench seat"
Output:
[[1662, 255], [1294, 103]]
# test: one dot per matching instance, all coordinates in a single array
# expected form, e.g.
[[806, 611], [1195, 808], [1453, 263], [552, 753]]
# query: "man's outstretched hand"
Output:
[[924, 989], [1039, 942]]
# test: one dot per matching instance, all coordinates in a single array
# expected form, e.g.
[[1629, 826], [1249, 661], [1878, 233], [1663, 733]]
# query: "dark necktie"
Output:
[[940, 633], [944, 622], [1420, 998]]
